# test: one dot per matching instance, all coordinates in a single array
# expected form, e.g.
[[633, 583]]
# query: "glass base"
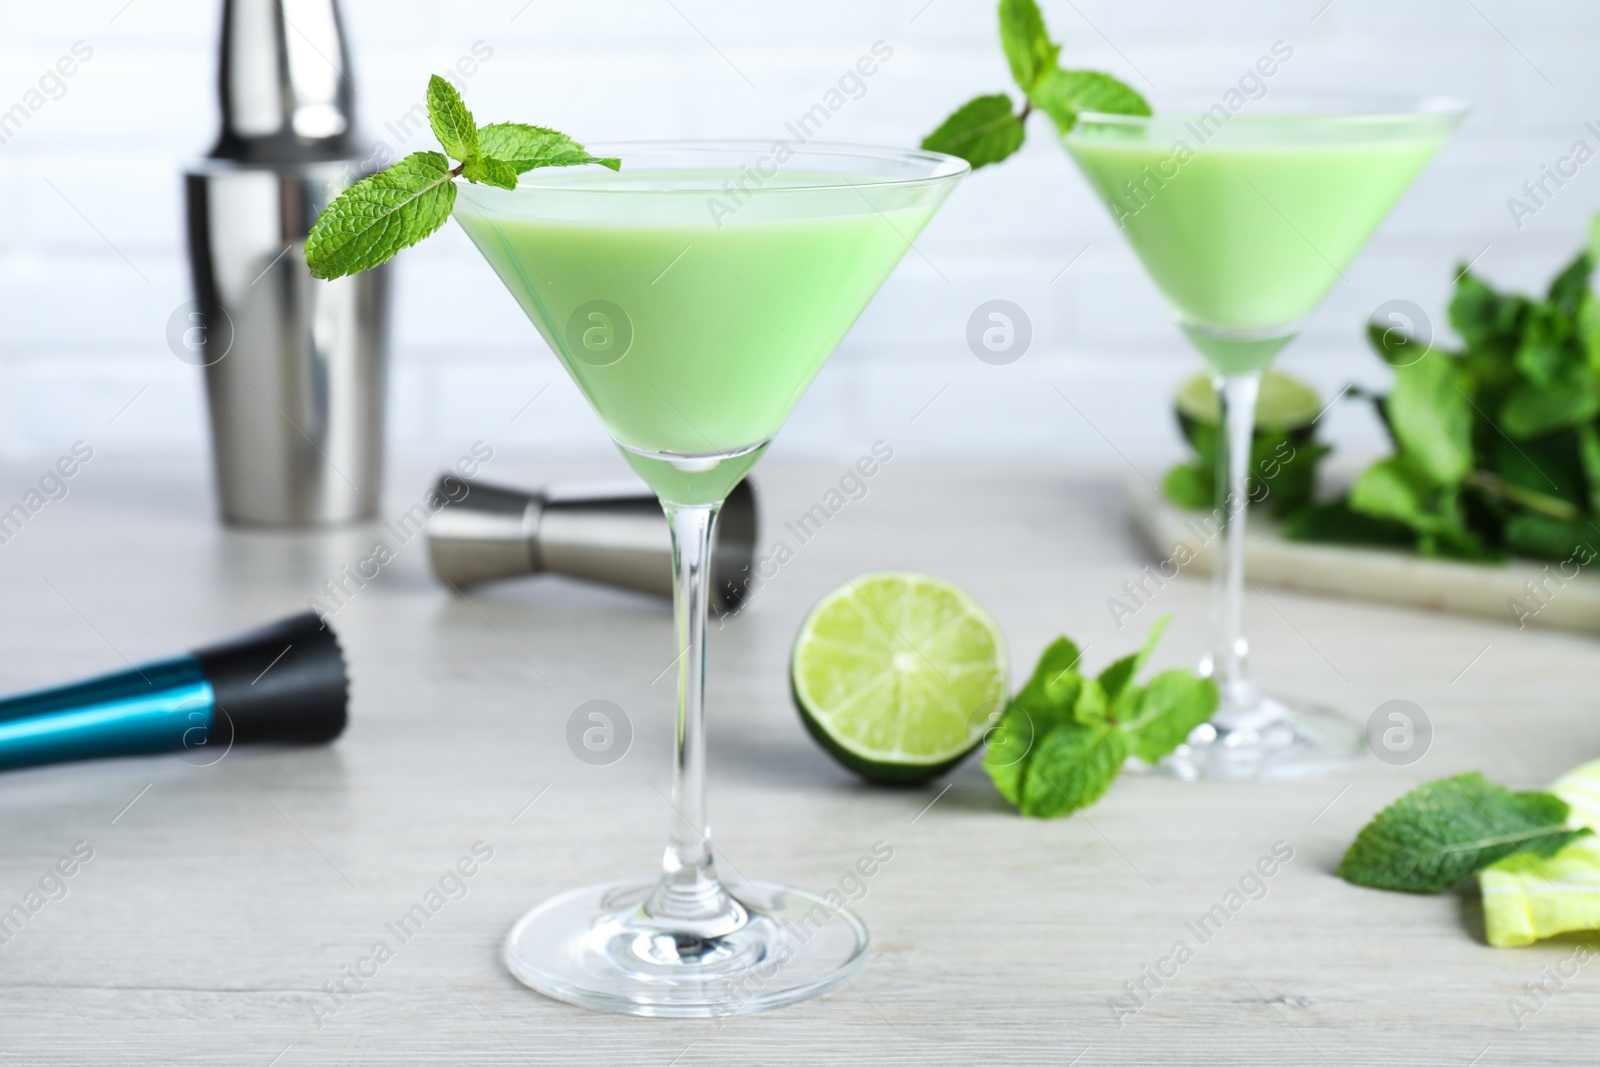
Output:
[[1273, 739], [596, 948]]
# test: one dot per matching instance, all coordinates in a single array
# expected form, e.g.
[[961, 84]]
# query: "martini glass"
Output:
[[1245, 219], [693, 296]]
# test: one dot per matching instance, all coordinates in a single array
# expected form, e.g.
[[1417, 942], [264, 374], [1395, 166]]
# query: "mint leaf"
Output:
[[1571, 285], [1191, 486], [1532, 534], [1015, 740], [1171, 706], [380, 215], [452, 122], [1092, 706], [1062, 94], [1532, 410], [1063, 689], [1071, 768], [1115, 678], [1431, 419], [982, 131], [1441, 832], [490, 171], [1057, 662], [1549, 353], [1047, 704], [1394, 346], [1392, 489], [1388, 490], [1589, 329], [1053, 691], [1026, 43], [1040, 706], [1483, 317], [525, 147], [1589, 459]]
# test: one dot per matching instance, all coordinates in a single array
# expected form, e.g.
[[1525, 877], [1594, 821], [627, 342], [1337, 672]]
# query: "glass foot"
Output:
[[596, 948], [1272, 739]]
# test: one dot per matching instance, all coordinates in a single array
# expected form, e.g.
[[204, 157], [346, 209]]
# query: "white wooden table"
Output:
[[221, 899]]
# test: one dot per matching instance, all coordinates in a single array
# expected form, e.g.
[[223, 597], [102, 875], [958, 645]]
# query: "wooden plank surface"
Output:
[[220, 899]]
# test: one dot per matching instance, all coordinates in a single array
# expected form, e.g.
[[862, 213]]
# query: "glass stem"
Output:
[[689, 896], [1237, 395]]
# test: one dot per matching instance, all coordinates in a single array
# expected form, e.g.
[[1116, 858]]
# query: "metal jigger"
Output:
[[614, 533], [294, 366]]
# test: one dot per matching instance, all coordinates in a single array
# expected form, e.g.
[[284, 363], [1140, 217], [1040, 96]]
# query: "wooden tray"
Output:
[[1521, 592]]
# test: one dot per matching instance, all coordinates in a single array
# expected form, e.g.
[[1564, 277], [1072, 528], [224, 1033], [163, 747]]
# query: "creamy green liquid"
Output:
[[1252, 231], [693, 340]]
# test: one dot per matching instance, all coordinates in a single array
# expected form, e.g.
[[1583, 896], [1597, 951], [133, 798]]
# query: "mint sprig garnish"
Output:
[[1063, 738], [1441, 832], [986, 129], [395, 208]]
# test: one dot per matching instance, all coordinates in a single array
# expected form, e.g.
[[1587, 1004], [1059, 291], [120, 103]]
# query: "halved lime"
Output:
[[1285, 403], [898, 675]]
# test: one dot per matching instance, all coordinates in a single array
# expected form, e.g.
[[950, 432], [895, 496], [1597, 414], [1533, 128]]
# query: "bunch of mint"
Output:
[[1444, 831], [1496, 445], [986, 129], [1062, 740], [397, 207]]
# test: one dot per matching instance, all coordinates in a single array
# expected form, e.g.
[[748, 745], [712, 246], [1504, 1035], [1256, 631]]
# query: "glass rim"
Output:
[[944, 168], [1337, 108]]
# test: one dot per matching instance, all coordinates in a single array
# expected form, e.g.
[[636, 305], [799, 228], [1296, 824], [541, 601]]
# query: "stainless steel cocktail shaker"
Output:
[[295, 367], [615, 534]]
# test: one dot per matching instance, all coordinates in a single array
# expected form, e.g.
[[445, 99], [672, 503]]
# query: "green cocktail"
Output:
[[1245, 222], [693, 297], [692, 331], [1253, 230]]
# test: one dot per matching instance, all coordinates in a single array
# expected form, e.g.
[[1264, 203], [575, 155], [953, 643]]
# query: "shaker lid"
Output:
[[284, 85]]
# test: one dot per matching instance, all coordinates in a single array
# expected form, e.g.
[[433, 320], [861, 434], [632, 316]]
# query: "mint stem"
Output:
[[1531, 499]]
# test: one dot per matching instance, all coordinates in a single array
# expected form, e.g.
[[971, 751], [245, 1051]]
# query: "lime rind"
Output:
[[899, 674], [1285, 403]]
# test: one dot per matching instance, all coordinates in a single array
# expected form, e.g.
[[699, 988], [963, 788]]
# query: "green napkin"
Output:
[[1525, 899]]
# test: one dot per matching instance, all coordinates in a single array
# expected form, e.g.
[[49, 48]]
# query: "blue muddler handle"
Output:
[[285, 682]]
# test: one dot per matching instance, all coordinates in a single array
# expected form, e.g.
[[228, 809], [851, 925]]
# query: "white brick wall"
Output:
[[82, 313]]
